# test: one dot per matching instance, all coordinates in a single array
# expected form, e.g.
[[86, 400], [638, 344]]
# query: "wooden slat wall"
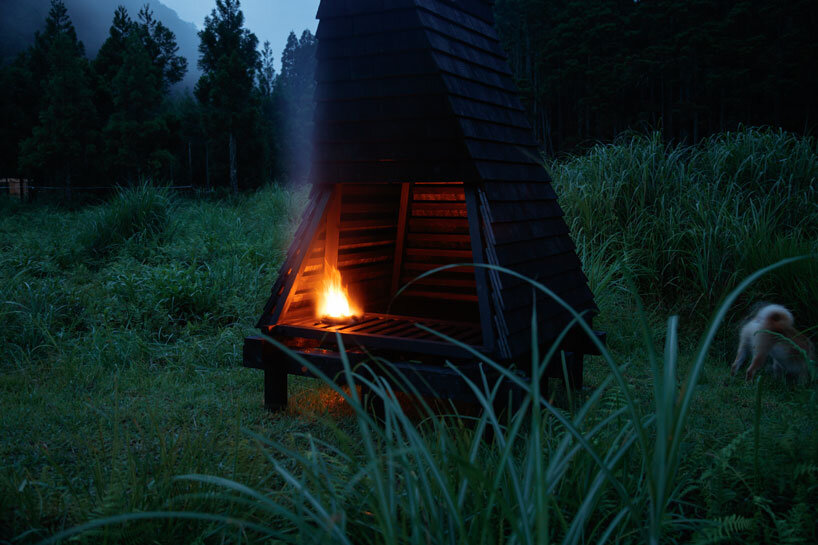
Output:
[[302, 302], [523, 223], [297, 256], [369, 221], [420, 90], [540, 249], [438, 235], [366, 245]]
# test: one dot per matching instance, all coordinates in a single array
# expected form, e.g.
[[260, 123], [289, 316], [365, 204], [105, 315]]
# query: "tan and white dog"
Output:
[[769, 332]]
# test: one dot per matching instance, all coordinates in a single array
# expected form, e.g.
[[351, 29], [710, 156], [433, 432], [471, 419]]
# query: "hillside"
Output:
[[20, 19]]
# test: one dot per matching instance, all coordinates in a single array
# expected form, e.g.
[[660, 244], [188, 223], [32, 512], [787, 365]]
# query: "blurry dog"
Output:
[[769, 332]]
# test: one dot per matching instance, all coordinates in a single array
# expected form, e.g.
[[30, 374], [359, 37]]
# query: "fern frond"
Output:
[[723, 529]]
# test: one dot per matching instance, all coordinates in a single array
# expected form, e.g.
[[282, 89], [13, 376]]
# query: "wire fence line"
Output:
[[22, 189]]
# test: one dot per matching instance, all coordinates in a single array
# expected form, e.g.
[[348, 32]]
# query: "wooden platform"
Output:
[[388, 332], [406, 376]]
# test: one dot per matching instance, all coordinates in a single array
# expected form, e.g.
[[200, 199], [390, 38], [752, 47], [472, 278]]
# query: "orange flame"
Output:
[[333, 299]]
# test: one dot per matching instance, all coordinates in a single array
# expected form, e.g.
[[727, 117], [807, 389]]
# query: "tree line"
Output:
[[591, 69], [76, 122], [587, 70]]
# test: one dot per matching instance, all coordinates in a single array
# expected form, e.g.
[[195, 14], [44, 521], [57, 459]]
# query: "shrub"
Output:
[[139, 212], [36, 316], [689, 222]]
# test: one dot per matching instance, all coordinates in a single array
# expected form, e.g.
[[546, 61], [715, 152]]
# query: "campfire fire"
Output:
[[333, 300]]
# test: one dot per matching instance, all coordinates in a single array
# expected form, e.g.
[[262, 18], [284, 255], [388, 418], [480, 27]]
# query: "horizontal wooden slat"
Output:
[[364, 241], [361, 257], [434, 280], [448, 296], [381, 207], [542, 268], [352, 275], [522, 296], [498, 170], [369, 191], [522, 211], [424, 225], [370, 333], [452, 193], [530, 230], [423, 253], [330, 172], [360, 19], [460, 32], [361, 149], [419, 267], [438, 209], [459, 86], [436, 240], [474, 109], [375, 44], [469, 71], [376, 223], [513, 253], [506, 191]]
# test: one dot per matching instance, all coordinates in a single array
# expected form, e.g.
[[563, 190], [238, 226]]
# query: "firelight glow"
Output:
[[333, 301]]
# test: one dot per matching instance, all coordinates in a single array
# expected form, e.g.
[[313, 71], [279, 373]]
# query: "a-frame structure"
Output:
[[424, 157]]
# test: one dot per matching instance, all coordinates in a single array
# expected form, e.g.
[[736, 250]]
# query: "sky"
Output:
[[268, 19]]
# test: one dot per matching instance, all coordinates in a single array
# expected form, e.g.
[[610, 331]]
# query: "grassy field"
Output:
[[120, 349]]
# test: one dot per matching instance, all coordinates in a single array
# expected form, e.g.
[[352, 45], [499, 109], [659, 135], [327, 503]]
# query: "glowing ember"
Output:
[[333, 300]]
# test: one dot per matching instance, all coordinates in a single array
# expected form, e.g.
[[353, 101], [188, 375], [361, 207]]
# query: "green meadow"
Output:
[[126, 412]]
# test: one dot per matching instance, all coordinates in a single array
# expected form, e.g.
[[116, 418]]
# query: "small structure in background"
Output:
[[17, 187]]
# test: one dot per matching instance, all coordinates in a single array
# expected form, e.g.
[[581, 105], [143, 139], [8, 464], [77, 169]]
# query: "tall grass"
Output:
[[608, 472], [119, 372], [690, 222], [138, 212]]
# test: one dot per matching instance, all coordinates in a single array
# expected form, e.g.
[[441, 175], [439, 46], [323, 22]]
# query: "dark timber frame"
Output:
[[423, 158]]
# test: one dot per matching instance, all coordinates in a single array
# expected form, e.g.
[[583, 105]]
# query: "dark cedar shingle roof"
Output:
[[420, 90]]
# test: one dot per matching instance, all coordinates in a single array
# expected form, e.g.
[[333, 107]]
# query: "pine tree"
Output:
[[269, 118], [190, 134], [267, 71], [30, 73], [136, 131], [160, 43], [19, 110], [296, 88], [229, 61], [136, 66], [64, 139], [110, 56]]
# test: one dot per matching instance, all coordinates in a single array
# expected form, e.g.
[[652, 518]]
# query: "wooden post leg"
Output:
[[373, 403], [275, 389], [508, 401], [575, 365], [545, 385]]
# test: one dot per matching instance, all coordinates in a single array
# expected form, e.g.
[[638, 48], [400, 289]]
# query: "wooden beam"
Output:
[[295, 264], [400, 240], [483, 293], [275, 388], [333, 227], [422, 343], [411, 377]]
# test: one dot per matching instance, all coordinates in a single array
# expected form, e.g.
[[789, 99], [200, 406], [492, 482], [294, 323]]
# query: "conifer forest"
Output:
[[588, 70], [71, 121]]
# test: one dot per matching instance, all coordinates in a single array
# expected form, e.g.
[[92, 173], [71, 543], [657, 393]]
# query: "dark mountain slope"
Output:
[[20, 19]]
